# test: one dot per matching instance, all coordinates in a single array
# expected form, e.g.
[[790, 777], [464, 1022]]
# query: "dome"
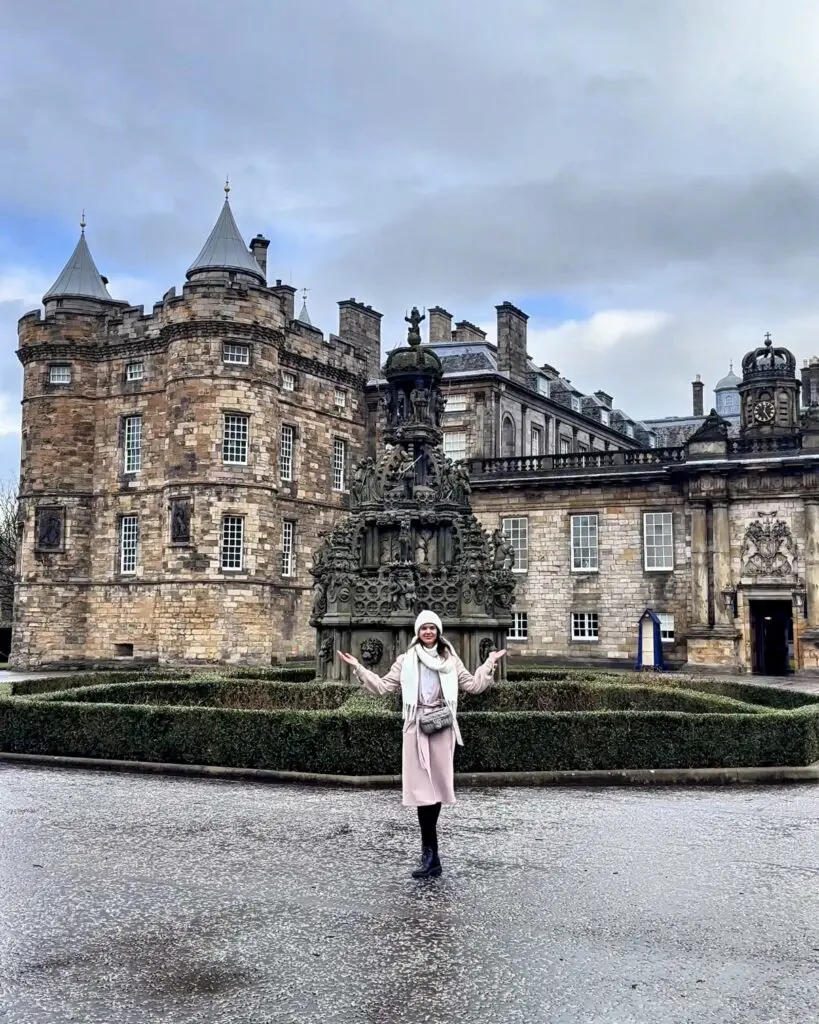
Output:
[[729, 382]]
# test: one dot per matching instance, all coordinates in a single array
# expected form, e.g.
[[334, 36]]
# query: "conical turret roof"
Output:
[[225, 249], [80, 277], [304, 316]]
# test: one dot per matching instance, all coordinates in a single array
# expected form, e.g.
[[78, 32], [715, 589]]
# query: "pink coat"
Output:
[[427, 760]]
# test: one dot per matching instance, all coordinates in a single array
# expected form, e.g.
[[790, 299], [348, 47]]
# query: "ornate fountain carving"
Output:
[[411, 540]]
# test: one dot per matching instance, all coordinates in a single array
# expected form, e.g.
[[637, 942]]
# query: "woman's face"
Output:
[[428, 634]]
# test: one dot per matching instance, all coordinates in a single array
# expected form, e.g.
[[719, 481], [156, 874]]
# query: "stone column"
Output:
[[812, 561], [699, 566], [721, 562]]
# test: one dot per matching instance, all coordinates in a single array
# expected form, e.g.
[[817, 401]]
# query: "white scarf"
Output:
[[447, 673]]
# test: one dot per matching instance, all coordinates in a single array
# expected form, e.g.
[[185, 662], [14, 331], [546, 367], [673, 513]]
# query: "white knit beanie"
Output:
[[428, 618]]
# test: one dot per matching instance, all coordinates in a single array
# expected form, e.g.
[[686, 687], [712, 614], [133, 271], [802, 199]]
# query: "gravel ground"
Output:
[[128, 899]]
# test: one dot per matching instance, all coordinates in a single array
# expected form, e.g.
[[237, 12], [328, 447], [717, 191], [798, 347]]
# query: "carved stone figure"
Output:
[[371, 651], [319, 601], [180, 521], [405, 542], [414, 332], [504, 555], [326, 649], [486, 645], [440, 406], [420, 403], [50, 529]]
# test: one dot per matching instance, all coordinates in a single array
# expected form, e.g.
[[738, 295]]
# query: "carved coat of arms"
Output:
[[768, 548]]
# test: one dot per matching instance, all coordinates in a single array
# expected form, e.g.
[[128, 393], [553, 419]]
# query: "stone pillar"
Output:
[[721, 562], [812, 561], [699, 566]]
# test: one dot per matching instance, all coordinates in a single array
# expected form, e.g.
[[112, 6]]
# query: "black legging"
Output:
[[428, 819]]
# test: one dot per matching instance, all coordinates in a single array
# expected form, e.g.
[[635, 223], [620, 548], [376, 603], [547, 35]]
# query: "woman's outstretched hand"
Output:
[[495, 656], [348, 658]]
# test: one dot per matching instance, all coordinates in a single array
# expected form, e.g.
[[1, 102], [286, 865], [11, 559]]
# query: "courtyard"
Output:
[[128, 898]]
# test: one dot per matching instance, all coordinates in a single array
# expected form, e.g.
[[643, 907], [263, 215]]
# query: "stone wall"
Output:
[[619, 591], [74, 604]]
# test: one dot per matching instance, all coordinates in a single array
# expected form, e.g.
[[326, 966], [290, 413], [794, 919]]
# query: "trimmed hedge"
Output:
[[366, 742], [218, 693]]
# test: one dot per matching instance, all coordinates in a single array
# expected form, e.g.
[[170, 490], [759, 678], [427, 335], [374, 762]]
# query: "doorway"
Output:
[[772, 637]]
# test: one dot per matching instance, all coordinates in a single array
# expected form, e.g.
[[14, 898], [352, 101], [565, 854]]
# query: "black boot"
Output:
[[430, 864]]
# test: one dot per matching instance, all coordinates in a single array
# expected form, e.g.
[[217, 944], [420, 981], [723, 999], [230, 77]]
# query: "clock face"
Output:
[[764, 412]]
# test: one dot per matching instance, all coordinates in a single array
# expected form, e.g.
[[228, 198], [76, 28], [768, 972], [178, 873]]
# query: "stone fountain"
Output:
[[410, 541]]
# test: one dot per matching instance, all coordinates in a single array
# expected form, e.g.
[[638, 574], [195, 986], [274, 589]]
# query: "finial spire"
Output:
[[730, 365], [304, 316], [768, 338], [227, 187], [82, 221]]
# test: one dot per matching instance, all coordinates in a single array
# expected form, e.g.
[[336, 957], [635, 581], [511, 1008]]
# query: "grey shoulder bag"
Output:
[[436, 720]]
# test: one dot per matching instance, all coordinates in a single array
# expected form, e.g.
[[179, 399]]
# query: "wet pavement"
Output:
[[127, 899]]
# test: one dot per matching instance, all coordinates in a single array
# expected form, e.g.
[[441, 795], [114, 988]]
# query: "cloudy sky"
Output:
[[641, 177]]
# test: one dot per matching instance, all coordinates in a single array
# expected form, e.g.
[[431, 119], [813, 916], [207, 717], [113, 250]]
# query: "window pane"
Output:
[[658, 538], [233, 353], [565, 446], [234, 439], [59, 375], [231, 545], [288, 536], [133, 444], [455, 445], [288, 381], [455, 403], [516, 534], [286, 453], [584, 542], [666, 627], [584, 626], [340, 398], [135, 371], [520, 627], [128, 543], [339, 463]]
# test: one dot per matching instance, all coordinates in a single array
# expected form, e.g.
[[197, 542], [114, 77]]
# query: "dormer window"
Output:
[[605, 417], [575, 403], [59, 374], [629, 430], [543, 386]]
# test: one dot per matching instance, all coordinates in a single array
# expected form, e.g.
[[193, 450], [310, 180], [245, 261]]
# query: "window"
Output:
[[233, 353], [59, 375], [652, 440], [543, 386], [133, 444], [286, 447], [584, 626], [128, 544], [455, 445], [508, 438], [234, 439], [288, 381], [666, 627], [575, 403], [288, 547], [340, 398], [581, 447], [520, 627], [339, 463], [456, 403], [629, 430], [516, 534], [584, 543], [605, 417], [230, 548], [536, 441], [658, 537], [135, 370]]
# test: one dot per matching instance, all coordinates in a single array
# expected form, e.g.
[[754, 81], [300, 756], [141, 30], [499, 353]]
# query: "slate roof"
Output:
[[80, 277], [225, 249]]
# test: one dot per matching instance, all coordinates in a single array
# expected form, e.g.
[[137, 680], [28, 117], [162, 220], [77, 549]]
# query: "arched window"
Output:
[[508, 437]]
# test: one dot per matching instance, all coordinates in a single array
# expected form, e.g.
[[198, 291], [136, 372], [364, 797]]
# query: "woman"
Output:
[[428, 676]]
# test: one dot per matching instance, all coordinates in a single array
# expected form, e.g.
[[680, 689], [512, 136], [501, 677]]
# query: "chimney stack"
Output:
[[258, 246], [440, 324], [697, 388], [512, 355]]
